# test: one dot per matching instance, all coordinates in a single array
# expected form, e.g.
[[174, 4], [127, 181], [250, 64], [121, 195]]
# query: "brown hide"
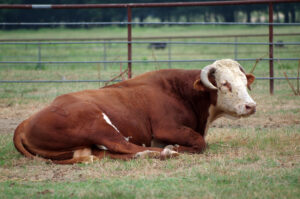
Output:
[[161, 105]]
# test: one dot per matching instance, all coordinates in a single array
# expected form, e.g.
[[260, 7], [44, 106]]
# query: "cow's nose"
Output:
[[250, 108]]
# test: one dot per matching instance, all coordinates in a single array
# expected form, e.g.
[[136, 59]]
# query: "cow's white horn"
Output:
[[204, 77]]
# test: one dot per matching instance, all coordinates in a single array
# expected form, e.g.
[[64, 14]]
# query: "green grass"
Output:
[[251, 165], [256, 157], [210, 186]]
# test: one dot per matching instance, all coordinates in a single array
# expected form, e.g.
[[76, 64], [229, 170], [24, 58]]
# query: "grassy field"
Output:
[[256, 157]]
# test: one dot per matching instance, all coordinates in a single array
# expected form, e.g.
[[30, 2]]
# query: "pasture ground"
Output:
[[255, 157]]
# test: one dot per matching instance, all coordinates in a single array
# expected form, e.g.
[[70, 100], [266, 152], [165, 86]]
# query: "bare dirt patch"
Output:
[[9, 125], [12, 115]]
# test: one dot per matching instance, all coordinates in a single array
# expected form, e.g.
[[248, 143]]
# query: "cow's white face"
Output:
[[230, 82], [232, 94]]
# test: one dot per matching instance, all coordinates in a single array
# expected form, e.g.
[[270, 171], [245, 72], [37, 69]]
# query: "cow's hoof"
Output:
[[89, 159], [172, 147], [168, 153], [147, 154]]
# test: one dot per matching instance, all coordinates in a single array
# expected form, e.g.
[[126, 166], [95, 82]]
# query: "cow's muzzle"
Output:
[[250, 108]]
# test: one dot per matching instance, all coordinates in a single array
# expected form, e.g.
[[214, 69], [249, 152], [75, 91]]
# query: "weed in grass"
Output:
[[248, 159], [285, 66]]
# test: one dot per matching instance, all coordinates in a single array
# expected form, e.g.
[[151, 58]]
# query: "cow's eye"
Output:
[[227, 85]]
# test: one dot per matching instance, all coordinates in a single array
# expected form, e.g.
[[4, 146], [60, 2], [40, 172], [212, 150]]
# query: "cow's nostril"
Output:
[[250, 108]]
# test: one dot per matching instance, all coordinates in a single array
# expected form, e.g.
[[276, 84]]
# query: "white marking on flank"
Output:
[[102, 147], [105, 117]]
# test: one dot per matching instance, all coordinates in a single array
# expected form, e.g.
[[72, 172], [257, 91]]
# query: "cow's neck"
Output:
[[213, 114], [200, 103]]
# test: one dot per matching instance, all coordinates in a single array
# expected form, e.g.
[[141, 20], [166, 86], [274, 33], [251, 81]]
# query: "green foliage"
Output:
[[203, 13]]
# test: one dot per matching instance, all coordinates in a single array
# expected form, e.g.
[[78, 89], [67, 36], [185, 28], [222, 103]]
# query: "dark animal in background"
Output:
[[157, 46], [279, 44]]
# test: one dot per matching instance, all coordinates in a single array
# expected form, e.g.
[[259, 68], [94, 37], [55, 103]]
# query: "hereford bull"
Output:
[[137, 117]]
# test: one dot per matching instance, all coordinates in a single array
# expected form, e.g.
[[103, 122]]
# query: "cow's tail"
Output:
[[18, 140]]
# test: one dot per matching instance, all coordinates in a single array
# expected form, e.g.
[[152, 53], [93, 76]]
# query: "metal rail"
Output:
[[141, 5], [143, 23], [105, 81], [147, 42], [140, 54], [137, 61], [149, 38], [56, 81]]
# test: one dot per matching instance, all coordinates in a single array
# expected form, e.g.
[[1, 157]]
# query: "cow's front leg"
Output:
[[187, 139]]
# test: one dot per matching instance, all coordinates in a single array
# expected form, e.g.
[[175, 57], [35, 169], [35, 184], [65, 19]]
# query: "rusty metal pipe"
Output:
[[271, 65], [129, 39]]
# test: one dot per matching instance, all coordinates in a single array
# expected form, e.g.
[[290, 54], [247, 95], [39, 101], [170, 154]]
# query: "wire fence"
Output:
[[156, 42], [110, 41], [132, 43]]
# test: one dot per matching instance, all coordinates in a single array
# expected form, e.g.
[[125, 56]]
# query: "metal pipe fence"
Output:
[[143, 5], [144, 23], [139, 61], [147, 42], [132, 40], [107, 81], [150, 38]]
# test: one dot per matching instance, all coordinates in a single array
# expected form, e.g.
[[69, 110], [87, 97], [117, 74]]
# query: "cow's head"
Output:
[[228, 80]]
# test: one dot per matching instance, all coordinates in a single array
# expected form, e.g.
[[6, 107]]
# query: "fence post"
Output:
[[104, 55], [271, 69], [235, 48], [39, 66], [129, 38], [169, 53]]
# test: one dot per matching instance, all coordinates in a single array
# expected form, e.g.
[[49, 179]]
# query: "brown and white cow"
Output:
[[137, 117]]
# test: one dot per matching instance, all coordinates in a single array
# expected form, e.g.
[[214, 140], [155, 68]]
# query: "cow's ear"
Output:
[[198, 85], [250, 80]]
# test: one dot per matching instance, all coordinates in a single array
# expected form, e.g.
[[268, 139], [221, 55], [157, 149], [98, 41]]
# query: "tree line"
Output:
[[284, 12]]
